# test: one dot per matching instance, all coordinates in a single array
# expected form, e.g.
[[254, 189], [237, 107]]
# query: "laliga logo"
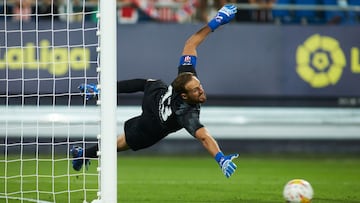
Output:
[[320, 61]]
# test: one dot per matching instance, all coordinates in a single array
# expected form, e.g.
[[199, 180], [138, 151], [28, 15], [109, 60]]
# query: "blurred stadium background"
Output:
[[285, 83], [282, 78]]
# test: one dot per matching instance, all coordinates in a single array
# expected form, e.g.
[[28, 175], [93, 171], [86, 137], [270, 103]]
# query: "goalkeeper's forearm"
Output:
[[195, 40], [207, 141]]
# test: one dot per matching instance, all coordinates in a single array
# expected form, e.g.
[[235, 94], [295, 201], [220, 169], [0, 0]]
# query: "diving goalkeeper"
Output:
[[167, 108]]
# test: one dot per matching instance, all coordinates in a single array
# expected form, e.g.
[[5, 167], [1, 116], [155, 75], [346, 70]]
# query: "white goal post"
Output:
[[47, 49], [108, 151]]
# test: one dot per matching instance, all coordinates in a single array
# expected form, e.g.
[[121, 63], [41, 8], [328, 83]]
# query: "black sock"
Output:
[[91, 152], [130, 86]]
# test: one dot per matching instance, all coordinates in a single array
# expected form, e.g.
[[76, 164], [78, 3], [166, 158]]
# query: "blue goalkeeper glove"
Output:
[[89, 90], [224, 15], [225, 162]]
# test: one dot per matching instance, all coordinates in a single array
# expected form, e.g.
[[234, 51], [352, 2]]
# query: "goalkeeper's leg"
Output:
[[131, 86], [77, 152], [121, 143], [91, 91]]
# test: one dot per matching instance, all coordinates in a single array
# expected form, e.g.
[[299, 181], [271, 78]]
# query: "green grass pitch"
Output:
[[185, 179]]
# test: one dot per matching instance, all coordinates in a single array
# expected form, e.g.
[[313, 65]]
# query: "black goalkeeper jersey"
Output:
[[163, 112]]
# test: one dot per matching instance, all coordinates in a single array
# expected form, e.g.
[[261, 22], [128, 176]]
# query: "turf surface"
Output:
[[158, 179], [257, 180]]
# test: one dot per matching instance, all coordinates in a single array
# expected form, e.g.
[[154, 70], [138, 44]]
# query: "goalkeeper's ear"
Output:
[[184, 96]]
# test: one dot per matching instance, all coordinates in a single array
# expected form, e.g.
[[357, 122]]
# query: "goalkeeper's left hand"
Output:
[[227, 166], [224, 15], [89, 90]]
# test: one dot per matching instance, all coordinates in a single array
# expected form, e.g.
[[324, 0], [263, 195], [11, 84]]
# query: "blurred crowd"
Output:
[[184, 11], [27, 10]]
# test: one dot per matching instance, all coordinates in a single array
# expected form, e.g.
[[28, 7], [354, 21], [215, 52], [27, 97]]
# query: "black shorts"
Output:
[[145, 130], [136, 138]]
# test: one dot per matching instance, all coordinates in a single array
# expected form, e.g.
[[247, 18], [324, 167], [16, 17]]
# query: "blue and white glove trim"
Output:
[[226, 164], [224, 15]]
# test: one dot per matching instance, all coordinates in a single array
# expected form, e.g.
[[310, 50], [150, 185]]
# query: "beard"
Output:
[[197, 100], [202, 98]]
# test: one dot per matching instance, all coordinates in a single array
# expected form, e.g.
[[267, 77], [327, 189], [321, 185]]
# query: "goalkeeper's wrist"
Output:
[[219, 156], [213, 24]]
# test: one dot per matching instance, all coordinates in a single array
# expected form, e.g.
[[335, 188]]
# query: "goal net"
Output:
[[47, 49]]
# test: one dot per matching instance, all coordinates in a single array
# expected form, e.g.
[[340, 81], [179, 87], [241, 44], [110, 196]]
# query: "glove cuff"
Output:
[[213, 24], [218, 156]]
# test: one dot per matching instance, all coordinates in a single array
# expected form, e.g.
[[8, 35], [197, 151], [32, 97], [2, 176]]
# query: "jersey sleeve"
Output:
[[190, 120]]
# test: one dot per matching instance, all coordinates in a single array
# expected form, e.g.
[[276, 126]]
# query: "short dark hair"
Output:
[[180, 81]]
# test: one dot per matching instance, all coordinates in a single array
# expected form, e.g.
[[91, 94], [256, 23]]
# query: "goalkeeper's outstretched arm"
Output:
[[224, 16], [195, 40]]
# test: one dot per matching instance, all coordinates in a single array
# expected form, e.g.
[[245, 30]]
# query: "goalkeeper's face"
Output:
[[195, 93]]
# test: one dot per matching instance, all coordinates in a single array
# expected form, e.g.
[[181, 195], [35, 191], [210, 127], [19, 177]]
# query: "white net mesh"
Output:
[[47, 49]]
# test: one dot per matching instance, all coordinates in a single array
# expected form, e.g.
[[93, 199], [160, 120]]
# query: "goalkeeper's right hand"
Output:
[[224, 15], [89, 90], [226, 164]]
